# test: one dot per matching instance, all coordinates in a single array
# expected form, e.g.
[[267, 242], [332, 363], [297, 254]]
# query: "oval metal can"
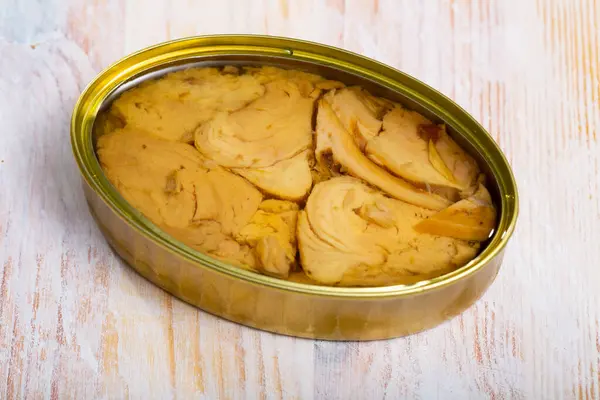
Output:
[[287, 307]]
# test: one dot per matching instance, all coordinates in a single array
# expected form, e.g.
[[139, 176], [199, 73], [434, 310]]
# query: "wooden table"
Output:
[[75, 322]]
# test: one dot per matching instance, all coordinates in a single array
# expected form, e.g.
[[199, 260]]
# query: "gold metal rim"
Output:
[[107, 81]]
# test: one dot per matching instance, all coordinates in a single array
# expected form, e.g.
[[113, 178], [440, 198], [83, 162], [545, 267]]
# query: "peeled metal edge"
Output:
[[184, 50]]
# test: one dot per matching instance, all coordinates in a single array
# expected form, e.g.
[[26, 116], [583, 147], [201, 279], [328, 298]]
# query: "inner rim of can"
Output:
[[152, 61]]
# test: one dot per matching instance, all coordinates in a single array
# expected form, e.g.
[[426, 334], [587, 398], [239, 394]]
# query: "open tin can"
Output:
[[287, 307]]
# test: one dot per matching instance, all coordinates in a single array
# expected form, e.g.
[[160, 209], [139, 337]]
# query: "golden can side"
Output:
[[263, 302], [285, 311]]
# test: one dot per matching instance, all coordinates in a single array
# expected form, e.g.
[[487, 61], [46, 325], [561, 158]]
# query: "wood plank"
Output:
[[77, 323]]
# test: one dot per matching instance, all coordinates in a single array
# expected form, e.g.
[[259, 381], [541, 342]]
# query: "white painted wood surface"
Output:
[[77, 323]]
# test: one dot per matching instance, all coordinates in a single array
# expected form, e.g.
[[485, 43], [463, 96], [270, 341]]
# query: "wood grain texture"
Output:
[[77, 323]]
